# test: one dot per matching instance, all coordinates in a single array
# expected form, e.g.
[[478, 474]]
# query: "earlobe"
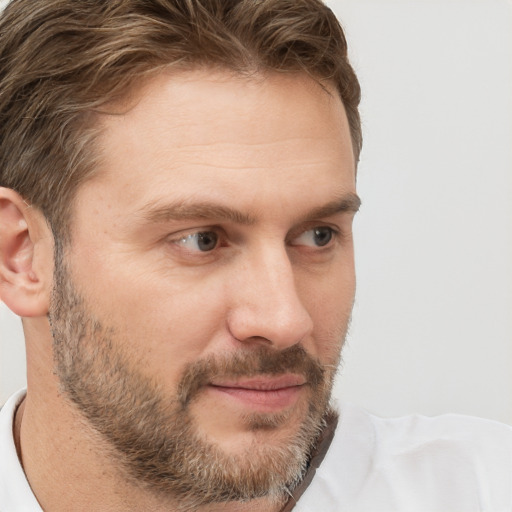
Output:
[[25, 256]]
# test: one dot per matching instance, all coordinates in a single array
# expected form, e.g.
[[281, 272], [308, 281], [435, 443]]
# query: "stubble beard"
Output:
[[154, 439]]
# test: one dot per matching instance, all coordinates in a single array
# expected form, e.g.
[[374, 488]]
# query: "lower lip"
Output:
[[271, 400]]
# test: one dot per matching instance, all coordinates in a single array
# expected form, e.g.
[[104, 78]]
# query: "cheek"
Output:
[[330, 306], [163, 322], [175, 328]]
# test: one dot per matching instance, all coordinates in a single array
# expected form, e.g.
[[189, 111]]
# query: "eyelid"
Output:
[[334, 236], [181, 236], [310, 226], [338, 234]]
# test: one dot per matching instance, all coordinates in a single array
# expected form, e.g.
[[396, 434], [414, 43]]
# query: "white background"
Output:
[[432, 327]]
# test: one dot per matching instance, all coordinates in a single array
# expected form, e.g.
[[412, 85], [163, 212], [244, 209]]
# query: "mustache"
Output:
[[250, 363]]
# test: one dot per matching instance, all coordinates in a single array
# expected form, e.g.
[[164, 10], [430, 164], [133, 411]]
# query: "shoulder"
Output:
[[466, 452], [417, 463], [415, 433]]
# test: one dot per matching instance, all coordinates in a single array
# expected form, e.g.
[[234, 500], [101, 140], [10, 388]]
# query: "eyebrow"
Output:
[[349, 203], [186, 210]]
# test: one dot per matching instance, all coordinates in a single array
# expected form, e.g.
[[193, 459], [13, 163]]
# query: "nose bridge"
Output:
[[267, 303]]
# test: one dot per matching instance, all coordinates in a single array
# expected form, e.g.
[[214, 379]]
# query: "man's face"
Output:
[[200, 309]]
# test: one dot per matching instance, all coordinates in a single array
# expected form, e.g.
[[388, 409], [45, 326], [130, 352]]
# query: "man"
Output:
[[176, 204]]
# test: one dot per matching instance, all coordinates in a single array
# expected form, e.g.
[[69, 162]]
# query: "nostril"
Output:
[[279, 328], [254, 340]]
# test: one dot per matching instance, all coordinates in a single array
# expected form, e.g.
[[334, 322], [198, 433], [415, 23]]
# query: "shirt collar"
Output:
[[15, 491]]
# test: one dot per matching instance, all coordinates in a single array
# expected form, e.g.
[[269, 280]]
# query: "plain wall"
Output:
[[432, 328]]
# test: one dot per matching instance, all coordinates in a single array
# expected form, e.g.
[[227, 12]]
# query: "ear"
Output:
[[26, 256]]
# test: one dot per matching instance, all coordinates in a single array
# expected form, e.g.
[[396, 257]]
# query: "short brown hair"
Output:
[[60, 60]]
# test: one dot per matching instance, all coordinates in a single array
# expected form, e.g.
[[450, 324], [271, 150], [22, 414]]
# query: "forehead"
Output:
[[205, 130], [257, 105]]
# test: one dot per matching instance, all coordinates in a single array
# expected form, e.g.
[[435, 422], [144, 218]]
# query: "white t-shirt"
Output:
[[15, 492], [450, 463]]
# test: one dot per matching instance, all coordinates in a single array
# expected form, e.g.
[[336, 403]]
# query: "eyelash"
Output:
[[334, 234], [201, 236]]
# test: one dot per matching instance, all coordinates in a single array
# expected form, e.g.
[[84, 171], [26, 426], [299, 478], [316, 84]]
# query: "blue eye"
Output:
[[203, 241], [317, 237]]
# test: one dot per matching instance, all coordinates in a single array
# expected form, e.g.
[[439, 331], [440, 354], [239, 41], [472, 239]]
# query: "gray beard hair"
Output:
[[153, 438]]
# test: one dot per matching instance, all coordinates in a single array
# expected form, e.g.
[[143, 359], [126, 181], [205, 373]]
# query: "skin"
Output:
[[261, 163]]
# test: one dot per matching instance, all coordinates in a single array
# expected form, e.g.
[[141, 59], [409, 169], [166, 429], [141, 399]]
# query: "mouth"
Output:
[[262, 394]]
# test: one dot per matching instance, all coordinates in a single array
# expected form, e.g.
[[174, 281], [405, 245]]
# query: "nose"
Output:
[[265, 304]]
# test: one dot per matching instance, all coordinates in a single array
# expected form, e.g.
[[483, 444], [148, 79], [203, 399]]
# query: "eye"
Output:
[[203, 241], [317, 237]]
